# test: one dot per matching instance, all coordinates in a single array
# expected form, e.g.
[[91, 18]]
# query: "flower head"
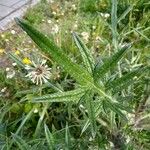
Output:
[[85, 36], [1, 51], [26, 61], [39, 72], [10, 73], [17, 52], [13, 32]]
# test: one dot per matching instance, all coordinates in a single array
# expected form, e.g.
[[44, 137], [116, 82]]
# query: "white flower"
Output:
[[7, 40], [2, 35], [94, 27], [75, 26], [14, 64], [85, 36], [105, 15], [55, 29], [3, 90], [39, 72], [35, 110], [30, 41], [51, 1], [74, 7], [49, 21], [10, 73], [54, 13], [13, 32], [7, 69]]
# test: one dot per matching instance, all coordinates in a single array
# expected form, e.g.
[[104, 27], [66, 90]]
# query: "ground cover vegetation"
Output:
[[75, 75]]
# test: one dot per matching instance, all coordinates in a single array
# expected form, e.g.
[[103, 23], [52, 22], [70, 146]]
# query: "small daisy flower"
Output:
[[7, 40], [36, 110], [54, 13], [1, 51], [3, 90], [14, 64], [26, 61], [2, 35], [7, 69], [105, 15], [17, 52], [55, 29], [49, 21], [85, 36], [10, 73], [74, 7], [13, 32], [39, 72]]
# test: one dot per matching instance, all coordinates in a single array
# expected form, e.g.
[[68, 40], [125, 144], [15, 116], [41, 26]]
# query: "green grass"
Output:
[[98, 94]]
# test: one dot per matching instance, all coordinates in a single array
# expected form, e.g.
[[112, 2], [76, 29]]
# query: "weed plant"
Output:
[[98, 96]]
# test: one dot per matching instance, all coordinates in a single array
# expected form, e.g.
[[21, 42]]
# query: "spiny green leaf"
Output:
[[48, 46], [61, 97], [114, 23], [124, 79], [90, 108], [110, 63], [20, 142], [114, 107], [85, 53], [49, 138]]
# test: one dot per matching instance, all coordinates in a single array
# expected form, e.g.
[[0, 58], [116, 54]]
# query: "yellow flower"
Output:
[[17, 52], [1, 51], [26, 61]]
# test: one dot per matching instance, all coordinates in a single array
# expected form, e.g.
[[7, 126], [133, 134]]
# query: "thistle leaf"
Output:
[[68, 96], [91, 113], [110, 63], [85, 53], [115, 84]]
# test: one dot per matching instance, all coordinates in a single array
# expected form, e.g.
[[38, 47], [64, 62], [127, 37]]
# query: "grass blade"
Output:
[[20, 142], [49, 138], [144, 36], [67, 138], [125, 13], [40, 121], [16, 59]]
